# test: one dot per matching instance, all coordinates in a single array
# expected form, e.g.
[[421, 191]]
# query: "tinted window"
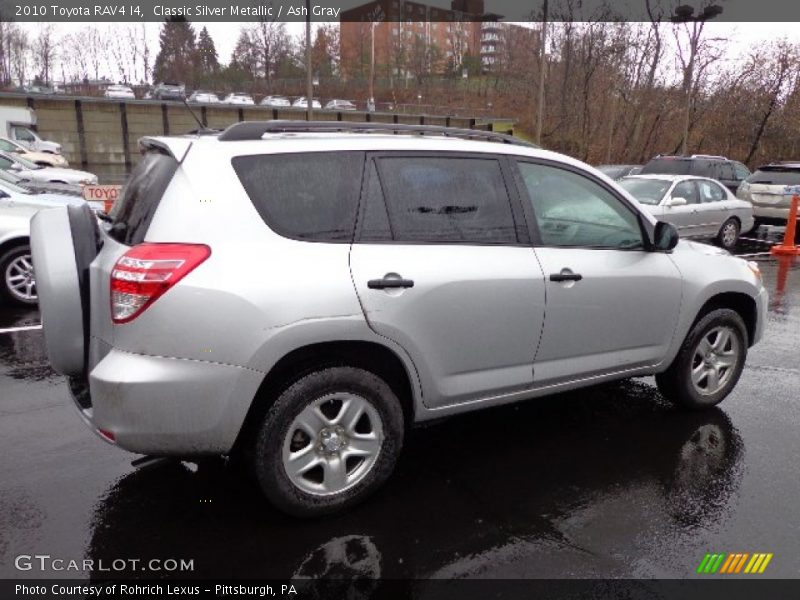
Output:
[[669, 166], [711, 192], [572, 210], [136, 205], [726, 171], [706, 168], [775, 176], [432, 199], [687, 190], [23, 133], [309, 196]]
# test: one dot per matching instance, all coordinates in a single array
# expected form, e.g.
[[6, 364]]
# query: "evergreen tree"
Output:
[[207, 60], [177, 56]]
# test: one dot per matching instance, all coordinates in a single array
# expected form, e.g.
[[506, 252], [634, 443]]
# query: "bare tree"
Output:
[[44, 51]]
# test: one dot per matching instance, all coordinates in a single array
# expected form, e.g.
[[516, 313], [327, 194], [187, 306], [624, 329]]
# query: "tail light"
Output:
[[147, 271]]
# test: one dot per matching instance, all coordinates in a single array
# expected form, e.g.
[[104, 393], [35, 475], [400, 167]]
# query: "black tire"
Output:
[[754, 228], [267, 458], [676, 382], [724, 239], [5, 289]]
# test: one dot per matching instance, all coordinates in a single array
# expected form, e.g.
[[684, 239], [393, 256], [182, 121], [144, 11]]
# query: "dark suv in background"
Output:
[[729, 173]]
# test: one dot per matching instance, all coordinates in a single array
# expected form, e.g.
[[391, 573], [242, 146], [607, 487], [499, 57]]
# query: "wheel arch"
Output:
[[13, 242], [743, 304], [368, 355]]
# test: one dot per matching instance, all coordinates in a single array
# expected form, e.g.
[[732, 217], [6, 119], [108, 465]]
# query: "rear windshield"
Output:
[[134, 209], [308, 196], [776, 176], [669, 166], [613, 171]]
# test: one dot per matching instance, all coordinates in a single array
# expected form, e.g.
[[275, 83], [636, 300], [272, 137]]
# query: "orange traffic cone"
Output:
[[787, 248]]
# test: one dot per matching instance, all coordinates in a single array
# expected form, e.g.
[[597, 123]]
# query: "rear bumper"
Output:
[[167, 406], [771, 215]]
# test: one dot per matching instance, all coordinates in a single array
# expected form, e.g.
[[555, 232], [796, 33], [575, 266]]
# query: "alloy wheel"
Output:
[[715, 360], [20, 280]]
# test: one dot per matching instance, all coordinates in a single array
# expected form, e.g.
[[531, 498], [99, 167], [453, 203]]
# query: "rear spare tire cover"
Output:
[[63, 244]]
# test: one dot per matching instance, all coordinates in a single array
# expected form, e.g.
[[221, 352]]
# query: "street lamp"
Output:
[[685, 14]]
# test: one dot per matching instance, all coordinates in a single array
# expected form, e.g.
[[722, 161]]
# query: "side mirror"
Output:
[[15, 167], [666, 236], [676, 201]]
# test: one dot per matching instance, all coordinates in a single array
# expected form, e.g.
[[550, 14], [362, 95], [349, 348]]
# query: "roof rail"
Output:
[[255, 130], [711, 156]]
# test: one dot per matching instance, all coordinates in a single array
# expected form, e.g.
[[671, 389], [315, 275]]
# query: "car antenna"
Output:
[[202, 129]]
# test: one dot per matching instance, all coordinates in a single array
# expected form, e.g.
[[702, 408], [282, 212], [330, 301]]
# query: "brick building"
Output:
[[413, 38]]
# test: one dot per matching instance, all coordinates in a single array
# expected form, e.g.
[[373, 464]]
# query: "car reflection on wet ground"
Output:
[[610, 481]]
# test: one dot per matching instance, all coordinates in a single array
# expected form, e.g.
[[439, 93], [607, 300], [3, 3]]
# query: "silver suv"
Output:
[[298, 294]]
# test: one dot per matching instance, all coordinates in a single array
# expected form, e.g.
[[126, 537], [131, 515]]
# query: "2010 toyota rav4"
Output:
[[300, 295]]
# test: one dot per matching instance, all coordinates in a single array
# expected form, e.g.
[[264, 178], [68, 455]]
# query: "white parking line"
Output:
[[17, 329], [753, 255]]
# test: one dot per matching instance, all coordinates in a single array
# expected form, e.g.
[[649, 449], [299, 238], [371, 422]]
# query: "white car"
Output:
[[17, 206], [275, 101], [29, 138], [199, 97], [121, 92], [340, 105], [44, 159], [301, 102], [240, 99], [698, 207], [33, 172]]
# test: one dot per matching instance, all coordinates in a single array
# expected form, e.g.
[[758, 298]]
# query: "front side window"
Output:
[[710, 192], [309, 196], [7, 146], [23, 133], [573, 210], [687, 191], [446, 200]]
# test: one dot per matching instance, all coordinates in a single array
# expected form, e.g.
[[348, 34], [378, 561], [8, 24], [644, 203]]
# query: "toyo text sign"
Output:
[[106, 194]]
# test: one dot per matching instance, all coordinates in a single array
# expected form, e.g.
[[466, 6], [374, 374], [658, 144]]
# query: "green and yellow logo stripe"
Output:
[[733, 563]]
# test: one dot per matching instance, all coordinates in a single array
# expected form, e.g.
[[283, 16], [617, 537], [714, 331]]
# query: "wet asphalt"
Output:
[[611, 481]]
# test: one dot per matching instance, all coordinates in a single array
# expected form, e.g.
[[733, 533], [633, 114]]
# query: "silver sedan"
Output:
[[697, 206]]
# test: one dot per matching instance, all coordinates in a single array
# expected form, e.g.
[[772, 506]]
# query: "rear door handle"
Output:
[[383, 284], [565, 275]]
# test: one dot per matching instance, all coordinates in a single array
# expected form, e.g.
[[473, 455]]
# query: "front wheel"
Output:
[[728, 234], [709, 363], [18, 282], [329, 440]]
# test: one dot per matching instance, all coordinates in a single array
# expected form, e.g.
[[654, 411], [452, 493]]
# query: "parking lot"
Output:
[[605, 482]]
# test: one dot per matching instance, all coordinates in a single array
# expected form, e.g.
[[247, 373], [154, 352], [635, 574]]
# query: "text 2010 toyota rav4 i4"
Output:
[[300, 293]]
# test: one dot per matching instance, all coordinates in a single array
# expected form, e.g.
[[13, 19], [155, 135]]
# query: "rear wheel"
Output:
[[728, 234], [709, 363], [19, 284], [329, 440]]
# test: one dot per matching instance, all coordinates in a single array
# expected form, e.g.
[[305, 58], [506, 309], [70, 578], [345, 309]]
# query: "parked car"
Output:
[[303, 103], [121, 92], [169, 91], [239, 98], [766, 191], [44, 159], [18, 123], [200, 97], [619, 171], [17, 206], [353, 285], [698, 207], [729, 173], [33, 172], [340, 105], [275, 101], [39, 187]]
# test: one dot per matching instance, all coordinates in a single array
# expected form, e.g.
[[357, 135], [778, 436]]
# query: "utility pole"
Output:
[[371, 101], [685, 14], [542, 68], [309, 81]]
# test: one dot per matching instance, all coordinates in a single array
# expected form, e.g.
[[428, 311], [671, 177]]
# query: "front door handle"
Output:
[[565, 275], [383, 284]]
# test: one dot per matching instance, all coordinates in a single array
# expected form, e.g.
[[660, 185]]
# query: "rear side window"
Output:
[[706, 168], [668, 166], [775, 176], [134, 209], [446, 200], [307, 196]]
